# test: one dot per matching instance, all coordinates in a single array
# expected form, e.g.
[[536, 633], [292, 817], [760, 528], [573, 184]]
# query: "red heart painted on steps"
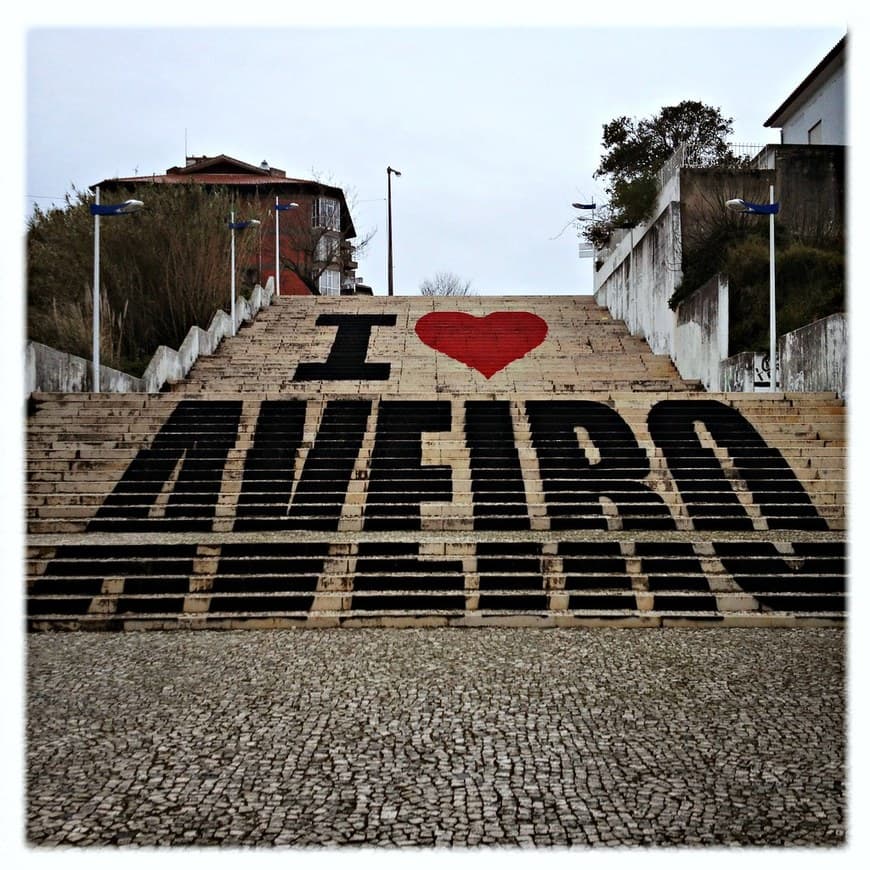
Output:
[[487, 344]]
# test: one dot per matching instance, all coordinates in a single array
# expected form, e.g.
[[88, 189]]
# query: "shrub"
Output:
[[163, 270], [810, 284]]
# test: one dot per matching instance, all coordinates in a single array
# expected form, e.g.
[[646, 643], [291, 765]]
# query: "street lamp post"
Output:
[[127, 207], [771, 209], [390, 171], [279, 208], [235, 225]]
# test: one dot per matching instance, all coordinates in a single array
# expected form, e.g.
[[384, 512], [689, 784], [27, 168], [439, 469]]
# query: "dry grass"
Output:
[[163, 270]]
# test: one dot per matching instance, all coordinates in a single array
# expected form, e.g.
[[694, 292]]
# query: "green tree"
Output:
[[635, 151]]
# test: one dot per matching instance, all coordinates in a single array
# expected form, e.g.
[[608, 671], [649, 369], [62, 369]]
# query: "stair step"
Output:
[[584, 483]]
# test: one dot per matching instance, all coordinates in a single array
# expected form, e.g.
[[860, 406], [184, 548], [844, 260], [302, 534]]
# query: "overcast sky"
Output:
[[495, 130]]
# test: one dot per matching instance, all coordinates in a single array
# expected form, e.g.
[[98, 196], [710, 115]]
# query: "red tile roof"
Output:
[[215, 178], [248, 175]]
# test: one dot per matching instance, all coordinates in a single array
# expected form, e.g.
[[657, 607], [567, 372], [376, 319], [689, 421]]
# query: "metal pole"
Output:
[[233, 272], [277, 267], [96, 300], [772, 303], [389, 235]]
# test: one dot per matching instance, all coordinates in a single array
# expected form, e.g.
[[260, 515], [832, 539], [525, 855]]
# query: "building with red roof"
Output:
[[314, 234]]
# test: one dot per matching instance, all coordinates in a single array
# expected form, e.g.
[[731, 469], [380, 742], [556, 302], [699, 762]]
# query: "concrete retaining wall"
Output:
[[640, 277], [51, 371], [638, 288], [814, 358], [47, 370], [642, 267], [700, 340], [737, 373]]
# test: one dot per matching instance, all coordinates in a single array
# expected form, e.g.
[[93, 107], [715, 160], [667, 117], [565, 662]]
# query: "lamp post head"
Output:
[[746, 207], [243, 225], [127, 207], [130, 205], [394, 171]]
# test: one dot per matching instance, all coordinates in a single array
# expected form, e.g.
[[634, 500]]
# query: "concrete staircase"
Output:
[[408, 461]]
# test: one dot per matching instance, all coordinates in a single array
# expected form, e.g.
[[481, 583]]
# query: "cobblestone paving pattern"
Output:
[[437, 738]]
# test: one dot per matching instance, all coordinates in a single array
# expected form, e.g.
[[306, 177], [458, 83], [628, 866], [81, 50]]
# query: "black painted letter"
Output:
[[496, 475], [398, 481], [268, 474], [264, 502], [708, 494], [197, 434], [347, 358], [573, 485]]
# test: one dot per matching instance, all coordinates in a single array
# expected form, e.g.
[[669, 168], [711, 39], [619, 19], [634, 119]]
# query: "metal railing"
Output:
[[682, 157]]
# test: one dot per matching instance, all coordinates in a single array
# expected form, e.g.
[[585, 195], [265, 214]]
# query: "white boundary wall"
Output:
[[48, 370], [639, 276], [700, 341], [814, 358]]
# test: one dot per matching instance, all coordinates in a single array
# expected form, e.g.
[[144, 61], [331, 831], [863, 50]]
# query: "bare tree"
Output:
[[446, 284], [314, 236]]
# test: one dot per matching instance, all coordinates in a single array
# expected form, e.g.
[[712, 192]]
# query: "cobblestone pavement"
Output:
[[437, 738]]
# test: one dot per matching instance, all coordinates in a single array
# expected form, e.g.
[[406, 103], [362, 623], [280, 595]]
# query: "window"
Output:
[[329, 283], [327, 213], [326, 250], [814, 136]]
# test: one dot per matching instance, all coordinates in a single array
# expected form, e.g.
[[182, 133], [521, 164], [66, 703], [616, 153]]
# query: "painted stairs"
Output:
[[360, 461]]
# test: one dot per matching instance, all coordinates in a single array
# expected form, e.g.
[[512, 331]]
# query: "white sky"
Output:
[[495, 130]]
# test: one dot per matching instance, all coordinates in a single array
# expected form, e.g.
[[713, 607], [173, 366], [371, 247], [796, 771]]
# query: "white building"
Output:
[[815, 112]]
